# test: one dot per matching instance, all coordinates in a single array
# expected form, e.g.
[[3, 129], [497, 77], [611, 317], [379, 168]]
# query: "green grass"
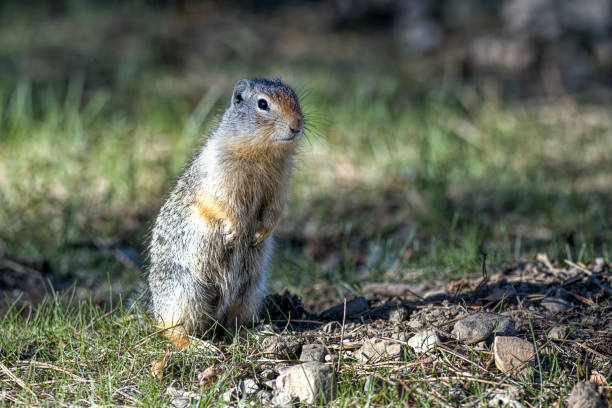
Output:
[[65, 352], [394, 159], [378, 178]]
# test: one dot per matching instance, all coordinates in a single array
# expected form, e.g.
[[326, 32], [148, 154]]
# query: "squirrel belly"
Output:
[[211, 242]]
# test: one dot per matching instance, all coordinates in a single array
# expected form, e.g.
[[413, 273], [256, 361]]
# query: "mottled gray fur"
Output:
[[210, 242]]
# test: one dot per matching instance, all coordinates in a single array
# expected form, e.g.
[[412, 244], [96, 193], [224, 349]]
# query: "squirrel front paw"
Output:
[[260, 236], [230, 235]]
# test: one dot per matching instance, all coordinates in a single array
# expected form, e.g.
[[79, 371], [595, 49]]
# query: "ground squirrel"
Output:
[[211, 240]]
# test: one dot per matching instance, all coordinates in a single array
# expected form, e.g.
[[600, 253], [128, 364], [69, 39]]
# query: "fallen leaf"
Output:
[[209, 375], [583, 300], [157, 368]]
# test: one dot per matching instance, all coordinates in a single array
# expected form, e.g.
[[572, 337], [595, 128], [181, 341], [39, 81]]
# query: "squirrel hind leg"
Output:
[[245, 312]]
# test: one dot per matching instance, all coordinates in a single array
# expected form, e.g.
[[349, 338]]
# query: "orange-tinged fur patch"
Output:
[[289, 108], [259, 148], [210, 209], [176, 335]]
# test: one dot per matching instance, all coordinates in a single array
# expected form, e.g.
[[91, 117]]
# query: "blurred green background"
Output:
[[437, 130]]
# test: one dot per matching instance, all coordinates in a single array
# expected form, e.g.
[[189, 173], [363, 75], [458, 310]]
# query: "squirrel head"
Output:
[[265, 112]]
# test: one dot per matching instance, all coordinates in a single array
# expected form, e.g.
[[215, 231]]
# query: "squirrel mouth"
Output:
[[287, 138]]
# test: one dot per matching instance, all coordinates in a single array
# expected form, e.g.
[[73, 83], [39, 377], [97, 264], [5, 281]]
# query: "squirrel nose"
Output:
[[296, 126]]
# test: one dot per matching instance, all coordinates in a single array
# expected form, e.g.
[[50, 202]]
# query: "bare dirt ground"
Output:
[[436, 344]]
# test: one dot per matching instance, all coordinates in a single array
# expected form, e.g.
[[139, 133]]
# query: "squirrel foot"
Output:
[[177, 336]]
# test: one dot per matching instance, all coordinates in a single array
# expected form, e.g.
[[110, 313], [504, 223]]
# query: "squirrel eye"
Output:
[[262, 104]]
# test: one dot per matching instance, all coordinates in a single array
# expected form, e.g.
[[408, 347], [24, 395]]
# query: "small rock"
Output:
[[309, 382], [507, 398], [282, 347], [313, 352], [423, 341], [265, 397], [331, 327], [480, 326], [436, 295], [268, 328], [398, 315], [398, 336], [585, 395], [283, 399], [600, 263], [501, 400], [354, 308], [230, 395], [375, 350], [555, 304], [249, 386], [268, 374], [243, 389], [558, 333], [414, 324], [181, 398], [513, 353]]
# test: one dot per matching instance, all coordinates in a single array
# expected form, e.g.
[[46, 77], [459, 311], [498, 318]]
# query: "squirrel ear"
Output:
[[239, 89]]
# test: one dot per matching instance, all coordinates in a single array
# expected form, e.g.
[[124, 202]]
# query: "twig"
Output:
[[587, 348], [570, 263], [42, 365], [459, 356], [21, 269], [544, 259], [342, 335], [485, 275], [300, 321], [288, 322], [18, 380], [128, 396], [11, 398], [391, 290], [456, 319]]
